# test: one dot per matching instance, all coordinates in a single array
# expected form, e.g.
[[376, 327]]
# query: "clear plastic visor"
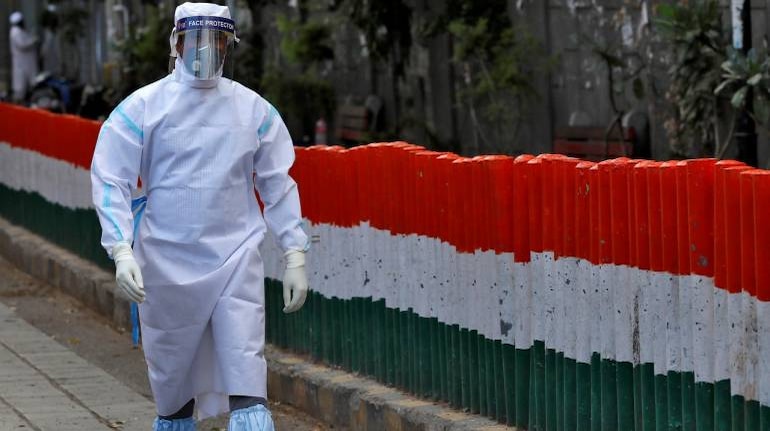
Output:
[[204, 51]]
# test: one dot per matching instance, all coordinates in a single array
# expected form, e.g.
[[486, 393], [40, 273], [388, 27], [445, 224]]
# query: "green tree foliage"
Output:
[[305, 43], [386, 27], [746, 82], [295, 84], [694, 30], [146, 52], [497, 60]]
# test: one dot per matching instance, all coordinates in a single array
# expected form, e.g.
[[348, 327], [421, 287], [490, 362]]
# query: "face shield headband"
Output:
[[203, 42]]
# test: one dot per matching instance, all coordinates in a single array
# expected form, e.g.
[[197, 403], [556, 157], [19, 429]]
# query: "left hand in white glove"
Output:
[[294, 281]]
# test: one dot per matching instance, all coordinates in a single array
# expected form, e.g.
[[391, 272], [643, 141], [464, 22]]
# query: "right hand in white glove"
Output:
[[127, 272], [294, 281]]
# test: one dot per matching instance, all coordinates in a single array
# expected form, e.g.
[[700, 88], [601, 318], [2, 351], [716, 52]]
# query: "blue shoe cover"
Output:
[[254, 418], [186, 424]]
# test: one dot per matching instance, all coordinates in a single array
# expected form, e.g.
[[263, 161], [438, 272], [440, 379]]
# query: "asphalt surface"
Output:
[[92, 338]]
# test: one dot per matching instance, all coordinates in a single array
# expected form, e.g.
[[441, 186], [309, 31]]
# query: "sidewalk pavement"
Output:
[[45, 386]]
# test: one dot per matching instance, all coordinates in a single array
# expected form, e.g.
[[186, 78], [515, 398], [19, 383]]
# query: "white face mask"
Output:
[[205, 42], [202, 62]]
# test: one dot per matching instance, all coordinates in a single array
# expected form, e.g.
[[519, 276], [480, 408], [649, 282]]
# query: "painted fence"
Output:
[[546, 292]]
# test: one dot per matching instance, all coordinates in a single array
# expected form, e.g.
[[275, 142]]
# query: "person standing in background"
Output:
[[23, 57]]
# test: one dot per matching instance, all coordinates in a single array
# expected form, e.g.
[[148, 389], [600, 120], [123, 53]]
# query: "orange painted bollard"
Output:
[[521, 248]]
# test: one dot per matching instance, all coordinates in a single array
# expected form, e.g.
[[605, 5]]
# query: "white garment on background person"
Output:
[[23, 61]]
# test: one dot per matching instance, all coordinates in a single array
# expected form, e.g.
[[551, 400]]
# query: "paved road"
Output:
[[63, 367]]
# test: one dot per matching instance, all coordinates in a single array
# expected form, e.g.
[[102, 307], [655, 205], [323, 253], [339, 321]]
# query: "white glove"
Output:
[[127, 272], [294, 281]]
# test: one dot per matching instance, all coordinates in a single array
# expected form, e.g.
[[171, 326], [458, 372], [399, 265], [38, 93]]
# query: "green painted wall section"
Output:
[[534, 388], [76, 230]]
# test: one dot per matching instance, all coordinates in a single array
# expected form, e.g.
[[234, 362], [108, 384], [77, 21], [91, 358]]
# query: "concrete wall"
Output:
[[501, 286]]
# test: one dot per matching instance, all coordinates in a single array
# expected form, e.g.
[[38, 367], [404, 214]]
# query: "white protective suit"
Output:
[[23, 61], [200, 148]]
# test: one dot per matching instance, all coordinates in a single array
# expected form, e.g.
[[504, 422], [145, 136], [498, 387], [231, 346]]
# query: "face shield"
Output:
[[204, 44]]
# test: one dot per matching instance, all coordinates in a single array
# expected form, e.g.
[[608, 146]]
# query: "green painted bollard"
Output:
[[661, 404], [752, 415], [509, 377], [570, 394], [480, 390], [764, 418], [647, 395], [373, 351], [413, 349], [477, 372], [340, 336], [489, 377], [326, 336], [523, 384], [489, 358], [465, 343], [704, 406], [583, 396], [609, 400], [435, 361], [454, 365], [499, 377], [559, 370], [378, 335], [596, 392], [424, 356], [675, 400], [638, 397], [350, 325], [539, 384], [688, 401], [624, 390], [390, 344], [355, 352], [398, 379], [406, 347], [550, 384], [444, 361]]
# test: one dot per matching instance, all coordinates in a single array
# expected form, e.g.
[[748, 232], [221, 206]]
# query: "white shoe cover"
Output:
[[254, 418], [187, 424]]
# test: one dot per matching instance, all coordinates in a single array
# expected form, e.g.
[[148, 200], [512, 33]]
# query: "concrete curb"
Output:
[[333, 396]]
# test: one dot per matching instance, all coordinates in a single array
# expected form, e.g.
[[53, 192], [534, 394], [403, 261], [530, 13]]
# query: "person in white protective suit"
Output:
[[23, 57], [201, 143]]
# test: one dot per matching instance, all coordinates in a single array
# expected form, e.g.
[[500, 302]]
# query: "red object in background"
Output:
[[320, 132]]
